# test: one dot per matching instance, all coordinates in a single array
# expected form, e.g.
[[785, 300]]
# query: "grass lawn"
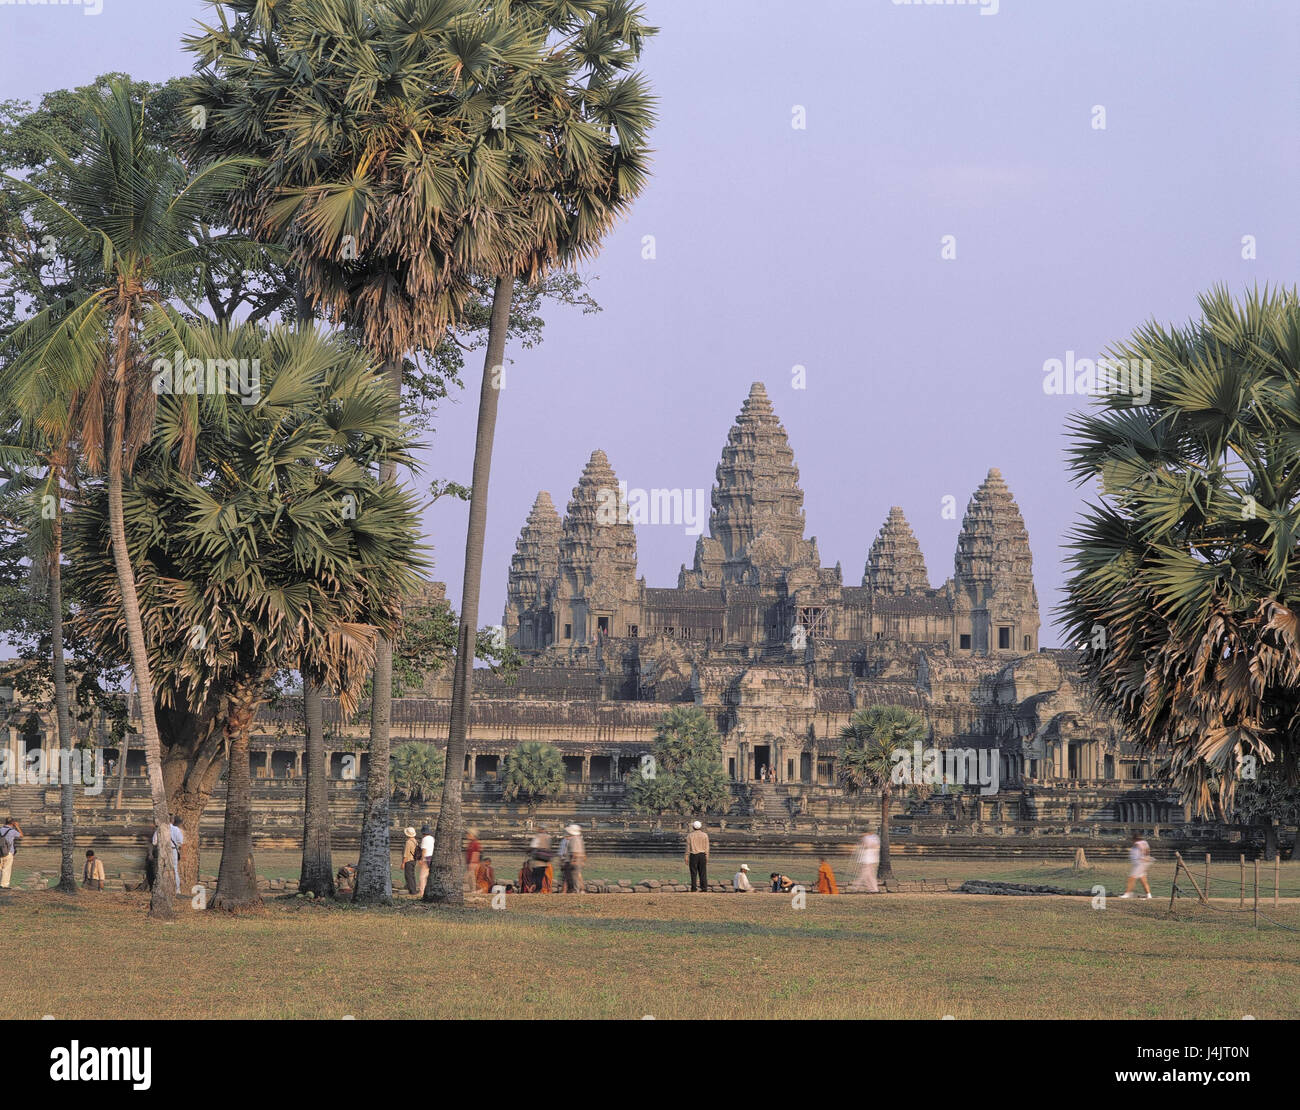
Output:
[[667, 955]]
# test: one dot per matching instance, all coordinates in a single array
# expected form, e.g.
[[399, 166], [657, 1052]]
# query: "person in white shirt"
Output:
[[177, 838], [741, 881], [868, 856], [1139, 858], [426, 859]]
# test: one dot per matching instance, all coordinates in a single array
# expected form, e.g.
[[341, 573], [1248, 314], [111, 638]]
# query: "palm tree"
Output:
[[573, 164], [1185, 583], [417, 771], [317, 873], [126, 215], [275, 548], [867, 761], [383, 174], [534, 772]]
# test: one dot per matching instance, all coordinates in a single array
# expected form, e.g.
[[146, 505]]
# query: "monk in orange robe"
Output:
[[548, 883], [483, 877], [826, 879]]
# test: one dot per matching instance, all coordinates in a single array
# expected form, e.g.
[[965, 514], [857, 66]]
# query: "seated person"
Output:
[[741, 881], [781, 884], [483, 876]]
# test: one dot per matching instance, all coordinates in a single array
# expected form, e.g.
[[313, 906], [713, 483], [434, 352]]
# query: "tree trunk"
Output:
[[375, 865], [67, 784], [317, 859], [446, 877], [237, 878], [187, 811], [886, 872], [164, 887], [121, 768]]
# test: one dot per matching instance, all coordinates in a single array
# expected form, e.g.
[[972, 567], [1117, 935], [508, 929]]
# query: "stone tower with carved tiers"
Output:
[[995, 605], [756, 528], [534, 569], [597, 590], [895, 566]]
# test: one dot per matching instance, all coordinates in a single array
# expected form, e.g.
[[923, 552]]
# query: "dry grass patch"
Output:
[[669, 955]]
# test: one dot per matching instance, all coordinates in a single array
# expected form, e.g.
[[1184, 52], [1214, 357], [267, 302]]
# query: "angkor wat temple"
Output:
[[773, 645], [777, 647]]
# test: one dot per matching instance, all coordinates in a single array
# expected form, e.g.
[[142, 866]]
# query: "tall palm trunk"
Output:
[[237, 877], [375, 865], [63, 716], [446, 878], [317, 859], [164, 887], [886, 872]]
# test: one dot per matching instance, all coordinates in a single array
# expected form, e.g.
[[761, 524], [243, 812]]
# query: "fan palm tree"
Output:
[[126, 216], [1185, 574], [573, 164], [533, 772], [383, 174], [417, 771], [866, 760], [276, 548]]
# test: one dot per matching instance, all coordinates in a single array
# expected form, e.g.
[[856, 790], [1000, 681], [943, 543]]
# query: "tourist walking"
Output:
[[868, 858], [697, 855], [177, 838], [741, 881], [573, 854], [410, 850], [426, 860], [473, 853], [1139, 857], [539, 860], [10, 834], [93, 875]]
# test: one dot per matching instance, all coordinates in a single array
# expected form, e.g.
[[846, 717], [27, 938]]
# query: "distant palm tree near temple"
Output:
[[417, 771], [126, 217], [866, 760], [534, 773], [574, 159], [1185, 586]]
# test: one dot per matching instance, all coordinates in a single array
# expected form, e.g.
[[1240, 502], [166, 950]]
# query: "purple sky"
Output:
[[821, 247]]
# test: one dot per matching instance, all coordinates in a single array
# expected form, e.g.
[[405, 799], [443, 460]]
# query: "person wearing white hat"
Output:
[[697, 855], [408, 858], [741, 881], [573, 854]]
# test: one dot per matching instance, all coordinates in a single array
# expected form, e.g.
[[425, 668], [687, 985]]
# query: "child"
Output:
[[94, 873]]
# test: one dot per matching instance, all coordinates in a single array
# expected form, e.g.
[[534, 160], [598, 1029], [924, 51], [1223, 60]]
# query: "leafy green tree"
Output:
[[533, 773], [277, 547], [686, 774], [1185, 574], [124, 216], [417, 771], [866, 763]]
